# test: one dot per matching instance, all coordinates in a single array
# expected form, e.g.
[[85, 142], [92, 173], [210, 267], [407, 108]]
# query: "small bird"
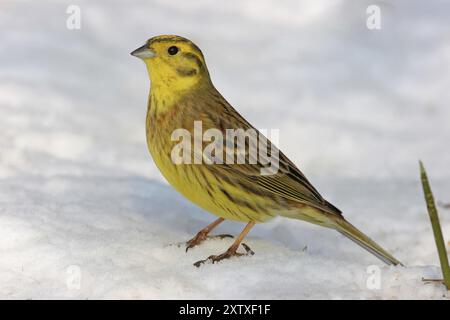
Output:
[[182, 93]]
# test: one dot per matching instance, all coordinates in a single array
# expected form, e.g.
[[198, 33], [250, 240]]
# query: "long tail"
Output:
[[351, 232]]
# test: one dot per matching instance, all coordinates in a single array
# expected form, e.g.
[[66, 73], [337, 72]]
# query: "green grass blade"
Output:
[[432, 211]]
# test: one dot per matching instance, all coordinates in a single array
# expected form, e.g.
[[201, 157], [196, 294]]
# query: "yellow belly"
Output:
[[203, 188]]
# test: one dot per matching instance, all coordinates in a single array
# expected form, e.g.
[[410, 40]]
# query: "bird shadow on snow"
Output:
[[144, 210], [160, 204]]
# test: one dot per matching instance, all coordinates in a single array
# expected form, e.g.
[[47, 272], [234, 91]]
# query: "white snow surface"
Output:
[[85, 214]]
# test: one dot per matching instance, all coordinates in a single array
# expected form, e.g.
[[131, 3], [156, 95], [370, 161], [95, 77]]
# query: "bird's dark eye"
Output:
[[172, 50]]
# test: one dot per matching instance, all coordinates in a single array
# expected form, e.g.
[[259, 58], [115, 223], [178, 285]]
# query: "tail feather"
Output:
[[351, 232]]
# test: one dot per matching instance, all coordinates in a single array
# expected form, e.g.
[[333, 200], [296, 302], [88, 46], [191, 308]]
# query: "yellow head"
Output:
[[174, 63]]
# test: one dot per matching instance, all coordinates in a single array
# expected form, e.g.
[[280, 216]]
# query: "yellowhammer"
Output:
[[182, 96]]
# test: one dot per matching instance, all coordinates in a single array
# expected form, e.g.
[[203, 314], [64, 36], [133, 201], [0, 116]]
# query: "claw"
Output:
[[249, 252], [195, 241], [221, 236], [231, 252], [200, 237], [203, 234], [440, 281]]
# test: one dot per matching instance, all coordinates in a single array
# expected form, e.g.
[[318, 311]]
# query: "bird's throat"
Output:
[[161, 99]]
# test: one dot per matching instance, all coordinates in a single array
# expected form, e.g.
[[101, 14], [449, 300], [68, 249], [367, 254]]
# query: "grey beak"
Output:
[[143, 52]]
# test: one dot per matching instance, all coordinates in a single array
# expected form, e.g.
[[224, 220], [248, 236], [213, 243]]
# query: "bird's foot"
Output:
[[231, 252], [202, 236]]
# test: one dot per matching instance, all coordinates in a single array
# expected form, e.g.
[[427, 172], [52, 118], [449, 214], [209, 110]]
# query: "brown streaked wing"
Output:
[[289, 182]]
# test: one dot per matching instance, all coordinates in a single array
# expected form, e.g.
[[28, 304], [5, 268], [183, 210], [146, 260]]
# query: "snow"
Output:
[[85, 214]]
